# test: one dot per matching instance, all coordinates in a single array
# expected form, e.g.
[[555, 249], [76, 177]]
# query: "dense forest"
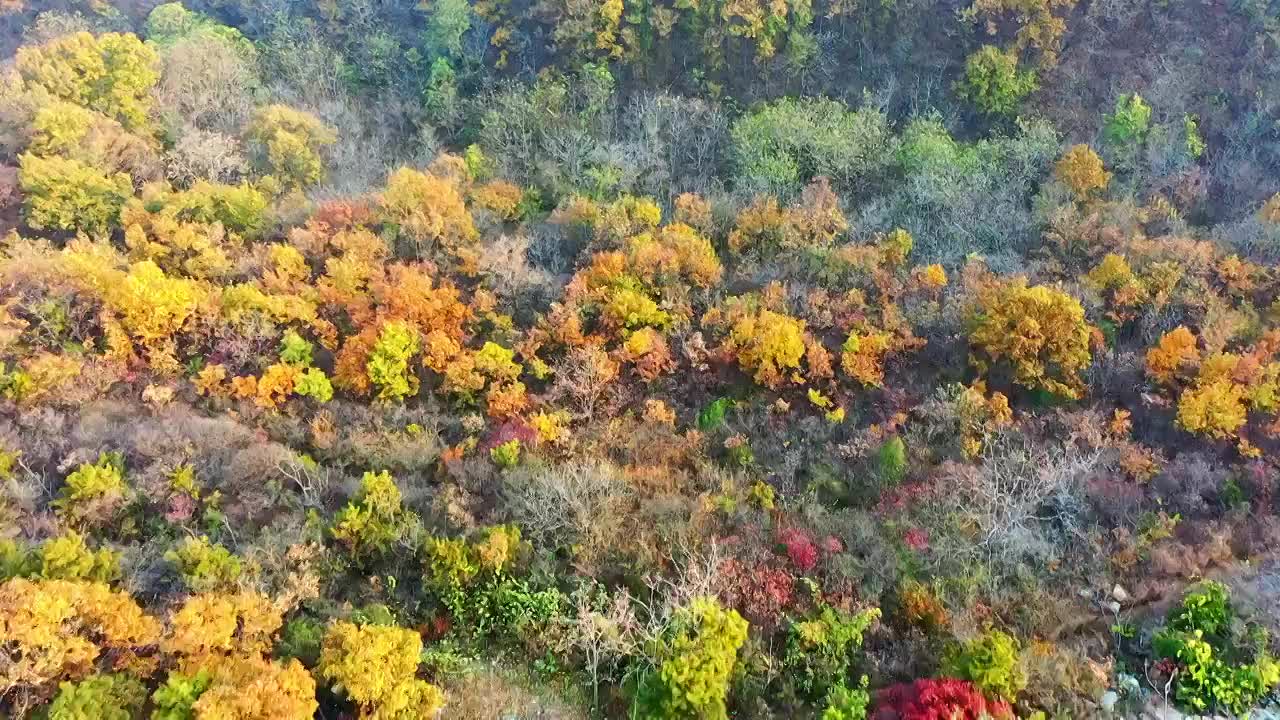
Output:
[[639, 359]]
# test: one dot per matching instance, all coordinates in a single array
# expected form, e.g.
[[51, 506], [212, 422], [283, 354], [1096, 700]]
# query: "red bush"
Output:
[[801, 549], [937, 699], [760, 593]]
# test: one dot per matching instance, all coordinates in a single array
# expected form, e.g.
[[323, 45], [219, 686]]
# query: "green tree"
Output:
[[447, 22], [1130, 121], [994, 83], [781, 146]]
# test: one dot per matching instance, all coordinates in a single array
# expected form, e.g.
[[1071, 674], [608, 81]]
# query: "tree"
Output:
[[287, 143], [430, 210], [375, 666], [65, 194], [781, 146], [447, 22], [768, 345], [1081, 170], [60, 630], [375, 521], [1040, 332], [696, 658], [1130, 121], [112, 73], [994, 83]]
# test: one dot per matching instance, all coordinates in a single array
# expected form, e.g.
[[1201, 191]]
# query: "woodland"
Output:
[[639, 359]]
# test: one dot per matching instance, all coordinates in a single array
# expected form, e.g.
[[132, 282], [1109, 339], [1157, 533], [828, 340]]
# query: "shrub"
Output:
[[203, 565], [313, 383], [936, 699], [990, 661], [375, 666], [820, 650], [100, 697], [68, 557], [696, 658], [994, 83], [1222, 664], [375, 522], [1038, 331]]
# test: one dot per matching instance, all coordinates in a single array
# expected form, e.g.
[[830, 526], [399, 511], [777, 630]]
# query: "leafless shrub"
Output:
[[207, 83], [512, 277], [1021, 502], [678, 144], [205, 155], [578, 503]]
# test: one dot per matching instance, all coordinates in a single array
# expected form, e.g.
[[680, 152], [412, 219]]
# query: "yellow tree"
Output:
[[376, 667], [112, 73], [288, 143], [1038, 332], [1081, 170]]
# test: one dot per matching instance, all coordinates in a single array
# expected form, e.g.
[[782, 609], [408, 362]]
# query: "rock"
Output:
[[1111, 606], [1120, 594]]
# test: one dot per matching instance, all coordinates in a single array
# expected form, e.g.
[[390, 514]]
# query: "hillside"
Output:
[[646, 359]]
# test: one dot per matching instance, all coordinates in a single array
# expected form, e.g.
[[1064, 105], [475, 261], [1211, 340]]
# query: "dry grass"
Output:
[[494, 694]]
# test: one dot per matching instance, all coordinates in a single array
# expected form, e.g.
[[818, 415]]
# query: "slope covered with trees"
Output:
[[638, 359]]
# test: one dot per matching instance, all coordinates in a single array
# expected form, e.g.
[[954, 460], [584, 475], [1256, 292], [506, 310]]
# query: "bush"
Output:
[[990, 661], [1222, 664], [375, 667], [782, 146], [695, 658], [100, 697]]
